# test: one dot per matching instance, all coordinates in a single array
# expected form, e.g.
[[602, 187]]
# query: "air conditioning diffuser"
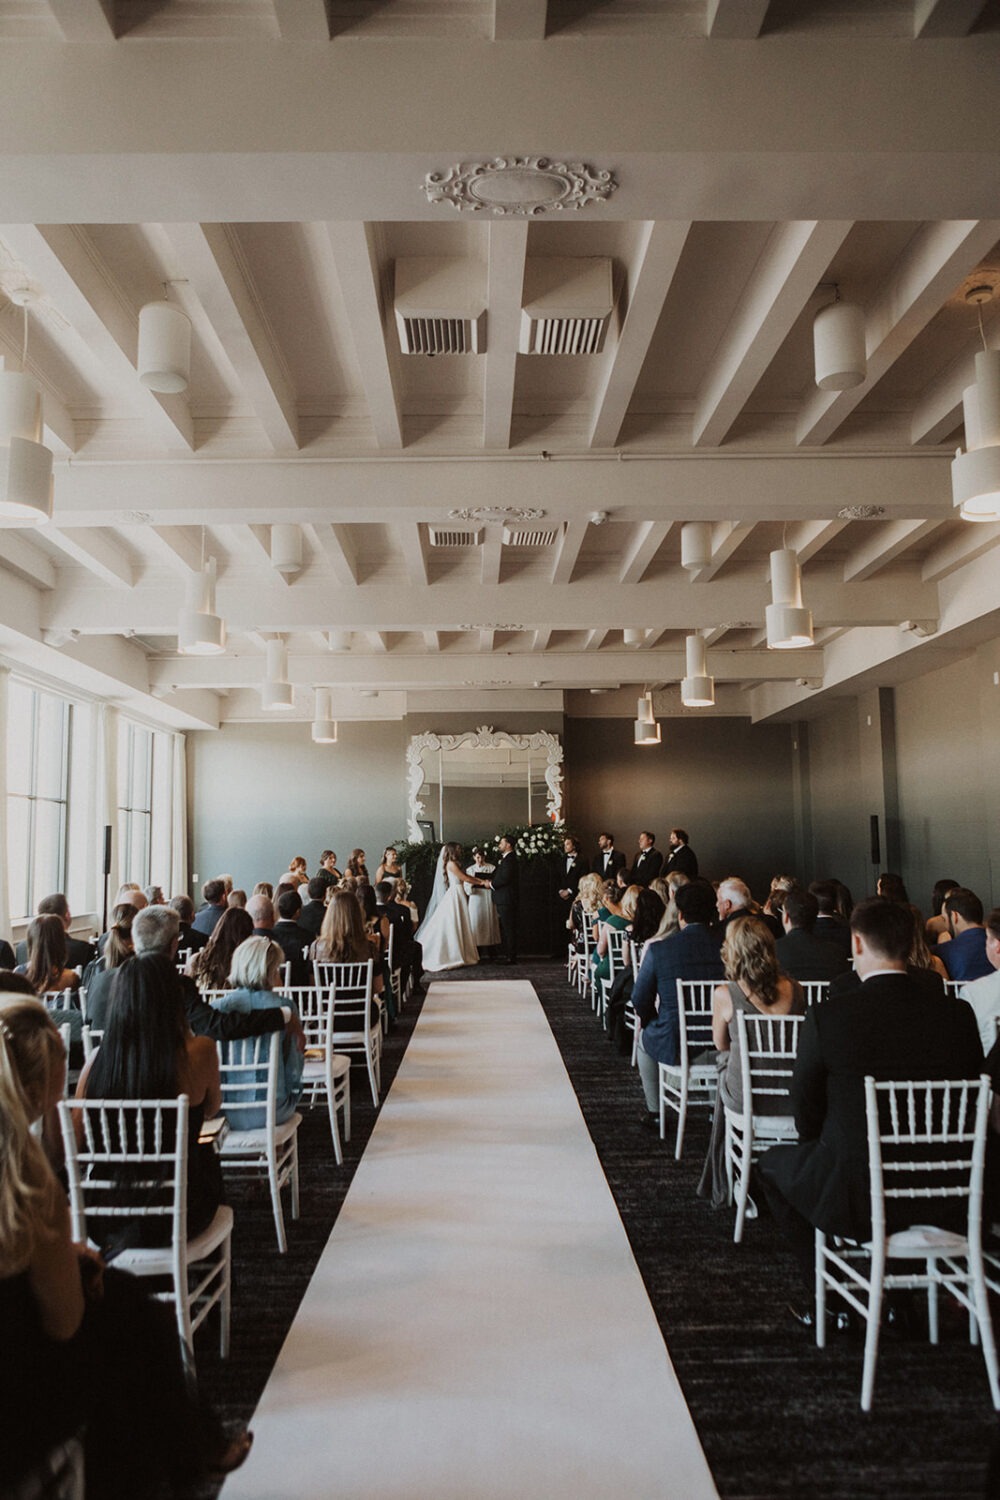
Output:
[[440, 305]]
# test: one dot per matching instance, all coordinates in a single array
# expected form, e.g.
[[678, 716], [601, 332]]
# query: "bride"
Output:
[[446, 932]]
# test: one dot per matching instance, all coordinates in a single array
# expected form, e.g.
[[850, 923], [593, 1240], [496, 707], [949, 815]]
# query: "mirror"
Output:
[[484, 780]]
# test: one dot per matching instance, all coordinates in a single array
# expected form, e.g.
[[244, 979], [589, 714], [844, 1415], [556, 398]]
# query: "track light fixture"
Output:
[[839, 350], [276, 690], [200, 631], [324, 727], [789, 626], [697, 688]]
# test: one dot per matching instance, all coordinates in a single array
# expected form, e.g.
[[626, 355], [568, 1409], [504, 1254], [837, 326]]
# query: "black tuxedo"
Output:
[[648, 864], [504, 882], [311, 917], [804, 956], [888, 1027], [684, 859], [608, 862], [569, 872]]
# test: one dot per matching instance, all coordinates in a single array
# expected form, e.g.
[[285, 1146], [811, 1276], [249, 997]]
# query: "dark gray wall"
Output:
[[943, 762], [839, 811], [260, 793], [727, 781]]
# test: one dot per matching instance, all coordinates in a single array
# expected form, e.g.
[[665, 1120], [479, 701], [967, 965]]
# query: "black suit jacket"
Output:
[[568, 879], [293, 941], [221, 1026], [684, 859], [608, 862], [804, 956], [311, 917], [834, 930], [648, 864], [888, 1027], [504, 881], [78, 953]]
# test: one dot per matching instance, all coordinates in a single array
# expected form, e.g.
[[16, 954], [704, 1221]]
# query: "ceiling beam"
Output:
[[302, 20], [411, 539], [939, 410], [885, 542], [378, 640], [727, 538], [735, 19], [94, 550], [646, 541], [925, 275], [492, 555], [84, 20], [971, 542], [808, 538], [432, 640], [596, 639], [945, 17], [213, 263], [18, 556], [412, 670], [180, 546], [649, 282], [541, 640], [508, 246], [518, 20], [568, 549], [796, 257], [654, 604], [337, 545], [357, 268], [66, 263], [712, 484]]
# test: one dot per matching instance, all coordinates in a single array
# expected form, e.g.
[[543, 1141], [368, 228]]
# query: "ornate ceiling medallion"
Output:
[[860, 512], [491, 625], [496, 513], [519, 185]]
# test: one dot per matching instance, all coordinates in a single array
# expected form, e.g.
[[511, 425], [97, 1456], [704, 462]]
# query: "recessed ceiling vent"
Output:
[[441, 536], [520, 536], [568, 305], [440, 305]]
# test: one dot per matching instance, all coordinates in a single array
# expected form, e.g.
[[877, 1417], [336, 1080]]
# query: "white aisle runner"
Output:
[[476, 1326]]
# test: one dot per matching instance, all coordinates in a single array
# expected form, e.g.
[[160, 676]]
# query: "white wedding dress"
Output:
[[446, 934]]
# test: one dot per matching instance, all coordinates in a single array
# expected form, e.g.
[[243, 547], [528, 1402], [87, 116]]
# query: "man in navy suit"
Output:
[[609, 859], [648, 862], [889, 1027], [691, 953]]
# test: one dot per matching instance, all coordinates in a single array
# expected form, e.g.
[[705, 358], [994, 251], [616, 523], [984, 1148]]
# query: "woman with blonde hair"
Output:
[[755, 985], [84, 1347], [264, 888], [238, 899], [255, 976], [583, 912]]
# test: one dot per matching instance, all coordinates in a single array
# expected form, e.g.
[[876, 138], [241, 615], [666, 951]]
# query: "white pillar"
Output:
[[178, 817]]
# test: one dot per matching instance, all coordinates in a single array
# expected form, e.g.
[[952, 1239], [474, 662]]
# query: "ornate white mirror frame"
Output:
[[489, 738]]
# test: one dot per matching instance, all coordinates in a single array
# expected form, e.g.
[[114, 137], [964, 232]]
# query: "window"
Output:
[[38, 757], [135, 802]]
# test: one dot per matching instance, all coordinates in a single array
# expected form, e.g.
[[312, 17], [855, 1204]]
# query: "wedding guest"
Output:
[[78, 952], [255, 976], [209, 967], [215, 894], [313, 911], [190, 938]]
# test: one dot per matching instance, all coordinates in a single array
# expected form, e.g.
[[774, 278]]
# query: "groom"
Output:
[[503, 884]]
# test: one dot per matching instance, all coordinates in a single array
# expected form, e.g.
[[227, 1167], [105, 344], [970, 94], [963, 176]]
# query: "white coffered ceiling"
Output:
[[268, 159]]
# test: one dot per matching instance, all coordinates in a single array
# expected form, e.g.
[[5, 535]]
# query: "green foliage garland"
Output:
[[535, 842]]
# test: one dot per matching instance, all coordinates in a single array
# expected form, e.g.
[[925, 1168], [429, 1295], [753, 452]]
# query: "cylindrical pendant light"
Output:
[[647, 734], [286, 548], [839, 346], [276, 690], [200, 631], [975, 474], [164, 355], [324, 727], [338, 640], [789, 626], [25, 462], [644, 710], [633, 638], [696, 545], [697, 688]]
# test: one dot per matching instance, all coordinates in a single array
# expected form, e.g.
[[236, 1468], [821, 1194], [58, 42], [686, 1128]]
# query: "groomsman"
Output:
[[649, 860], [503, 883], [568, 878], [682, 857], [609, 859]]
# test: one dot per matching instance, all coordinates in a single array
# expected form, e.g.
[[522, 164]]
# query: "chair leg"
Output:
[[225, 1303], [331, 1100], [874, 1321], [347, 1107], [295, 1175], [982, 1304], [681, 1117], [279, 1217], [372, 1071], [932, 1303], [820, 1293]]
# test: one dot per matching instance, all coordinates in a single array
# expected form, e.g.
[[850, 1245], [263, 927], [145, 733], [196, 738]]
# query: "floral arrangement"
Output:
[[536, 841]]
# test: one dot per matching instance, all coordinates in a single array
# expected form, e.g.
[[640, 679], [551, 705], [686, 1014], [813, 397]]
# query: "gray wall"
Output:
[[839, 812], [727, 781], [259, 793]]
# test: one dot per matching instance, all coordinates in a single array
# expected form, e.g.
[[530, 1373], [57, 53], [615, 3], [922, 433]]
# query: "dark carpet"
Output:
[[776, 1416]]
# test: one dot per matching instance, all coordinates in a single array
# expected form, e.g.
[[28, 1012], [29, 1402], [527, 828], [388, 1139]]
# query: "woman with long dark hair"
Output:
[[83, 1346], [45, 968], [148, 1052], [209, 967]]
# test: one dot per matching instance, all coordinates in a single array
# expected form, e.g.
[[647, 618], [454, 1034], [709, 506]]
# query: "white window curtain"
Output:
[[178, 818], [4, 731]]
